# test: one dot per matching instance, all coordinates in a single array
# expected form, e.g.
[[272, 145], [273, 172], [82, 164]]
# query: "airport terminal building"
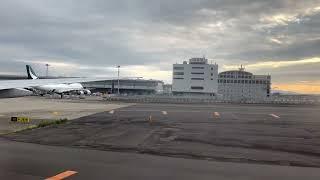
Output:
[[195, 77], [240, 85], [127, 86]]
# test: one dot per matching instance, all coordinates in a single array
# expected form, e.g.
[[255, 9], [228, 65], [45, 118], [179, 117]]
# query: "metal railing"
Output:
[[207, 100]]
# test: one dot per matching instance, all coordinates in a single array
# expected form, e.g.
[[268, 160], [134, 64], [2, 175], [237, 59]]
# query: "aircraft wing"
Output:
[[10, 84]]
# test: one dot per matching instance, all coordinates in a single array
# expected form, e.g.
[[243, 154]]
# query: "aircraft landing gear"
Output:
[[61, 95]]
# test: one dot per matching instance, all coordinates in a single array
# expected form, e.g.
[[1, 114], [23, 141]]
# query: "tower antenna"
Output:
[[241, 68]]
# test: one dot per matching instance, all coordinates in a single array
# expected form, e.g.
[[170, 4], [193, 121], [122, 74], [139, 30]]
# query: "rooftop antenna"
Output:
[[241, 68]]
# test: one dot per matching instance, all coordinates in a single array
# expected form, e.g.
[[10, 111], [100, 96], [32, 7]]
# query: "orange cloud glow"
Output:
[[303, 87]]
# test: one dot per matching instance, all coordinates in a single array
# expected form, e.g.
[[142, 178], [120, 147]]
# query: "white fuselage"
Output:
[[60, 88]]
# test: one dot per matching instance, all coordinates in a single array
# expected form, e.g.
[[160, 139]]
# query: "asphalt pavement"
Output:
[[174, 142], [27, 161]]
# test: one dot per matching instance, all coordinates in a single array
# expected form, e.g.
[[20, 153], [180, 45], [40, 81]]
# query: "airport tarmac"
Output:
[[25, 161], [260, 134], [47, 109]]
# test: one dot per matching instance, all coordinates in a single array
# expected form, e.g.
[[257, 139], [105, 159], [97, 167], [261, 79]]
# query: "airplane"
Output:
[[54, 86], [60, 89]]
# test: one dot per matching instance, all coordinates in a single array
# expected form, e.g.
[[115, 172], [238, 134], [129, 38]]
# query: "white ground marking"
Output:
[[217, 114], [111, 112], [275, 116], [164, 112]]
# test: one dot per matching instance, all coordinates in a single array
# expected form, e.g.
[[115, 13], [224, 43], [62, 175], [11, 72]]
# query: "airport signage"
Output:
[[20, 119]]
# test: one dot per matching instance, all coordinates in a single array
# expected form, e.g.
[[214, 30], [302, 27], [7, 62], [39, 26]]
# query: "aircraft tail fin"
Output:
[[31, 73]]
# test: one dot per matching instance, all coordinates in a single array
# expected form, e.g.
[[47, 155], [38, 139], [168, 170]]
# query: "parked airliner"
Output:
[[52, 86], [61, 89]]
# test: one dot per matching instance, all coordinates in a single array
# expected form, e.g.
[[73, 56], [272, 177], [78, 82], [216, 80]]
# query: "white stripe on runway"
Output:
[[111, 112], [275, 116]]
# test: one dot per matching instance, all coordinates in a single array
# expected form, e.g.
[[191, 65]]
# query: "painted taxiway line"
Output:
[[62, 175]]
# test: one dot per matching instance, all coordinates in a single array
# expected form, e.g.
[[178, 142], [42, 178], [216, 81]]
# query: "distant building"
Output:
[[127, 86], [195, 77], [241, 85], [167, 89]]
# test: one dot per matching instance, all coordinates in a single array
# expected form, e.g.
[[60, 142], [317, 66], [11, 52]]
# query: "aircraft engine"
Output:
[[80, 92], [87, 92]]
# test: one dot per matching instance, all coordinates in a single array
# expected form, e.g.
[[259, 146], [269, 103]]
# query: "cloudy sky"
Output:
[[145, 37]]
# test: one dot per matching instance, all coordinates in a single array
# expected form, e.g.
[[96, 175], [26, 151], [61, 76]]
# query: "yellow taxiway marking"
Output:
[[55, 113], [111, 112], [275, 116], [216, 114], [62, 175], [164, 112]]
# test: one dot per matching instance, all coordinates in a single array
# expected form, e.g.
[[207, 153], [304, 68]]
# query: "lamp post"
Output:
[[47, 72], [118, 79]]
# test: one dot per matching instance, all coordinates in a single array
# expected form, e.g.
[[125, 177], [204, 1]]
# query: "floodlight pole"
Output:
[[47, 72], [118, 79]]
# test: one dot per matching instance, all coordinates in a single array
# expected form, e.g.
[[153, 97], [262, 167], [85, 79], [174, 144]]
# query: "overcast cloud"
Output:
[[89, 38]]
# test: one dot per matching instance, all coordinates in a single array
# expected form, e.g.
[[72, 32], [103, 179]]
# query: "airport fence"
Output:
[[208, 100]]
